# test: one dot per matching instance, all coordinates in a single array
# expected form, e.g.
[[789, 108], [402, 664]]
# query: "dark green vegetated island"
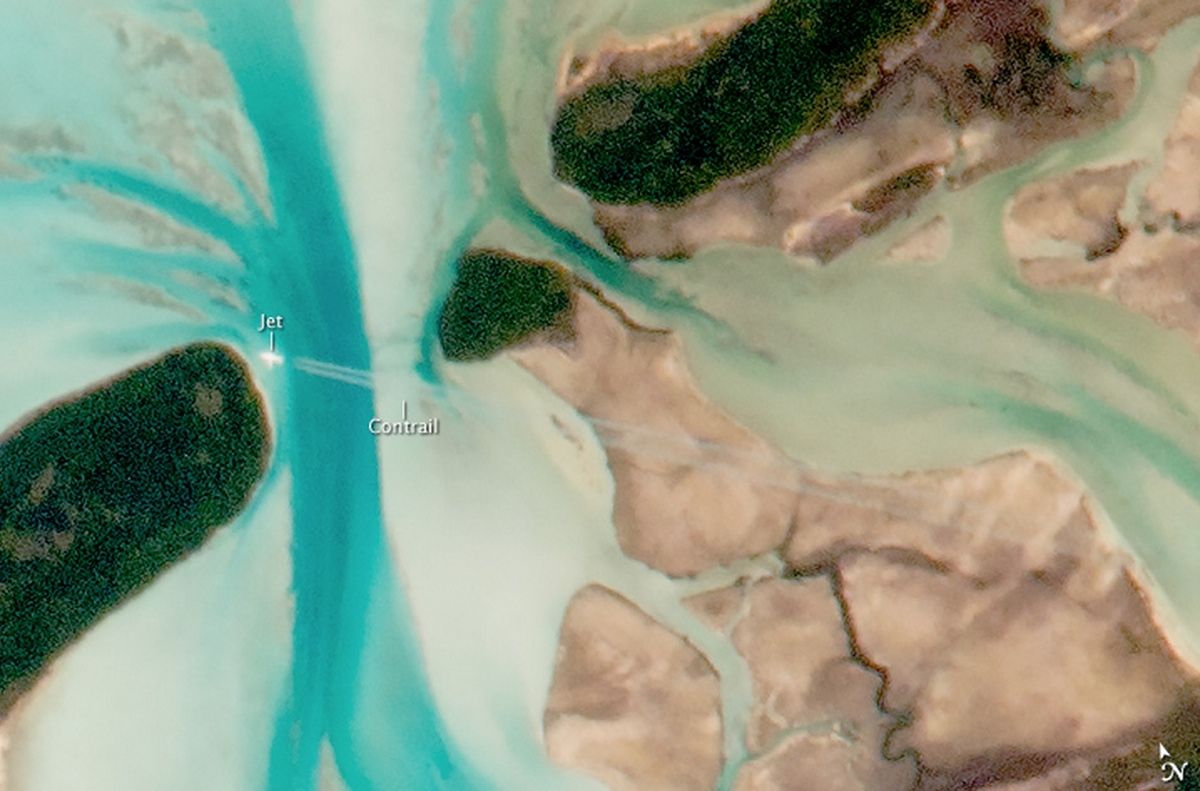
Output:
[[667, 137], [101, 493], [499, 300]]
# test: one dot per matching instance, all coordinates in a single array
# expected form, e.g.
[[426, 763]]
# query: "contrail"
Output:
[[338, 373]]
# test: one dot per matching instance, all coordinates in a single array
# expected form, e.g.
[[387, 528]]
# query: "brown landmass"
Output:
[[1147, 263], [632, 703], [669, 449], [967, 628]]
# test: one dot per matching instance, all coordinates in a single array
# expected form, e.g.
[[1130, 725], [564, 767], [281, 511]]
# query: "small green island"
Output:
[[499, 300], [100, 493], [668, 136]]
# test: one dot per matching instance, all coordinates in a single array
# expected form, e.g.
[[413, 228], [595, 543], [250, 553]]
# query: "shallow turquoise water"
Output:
[[297, 260]]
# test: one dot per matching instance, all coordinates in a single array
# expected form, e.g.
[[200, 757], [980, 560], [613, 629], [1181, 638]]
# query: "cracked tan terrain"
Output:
[[918, 621]]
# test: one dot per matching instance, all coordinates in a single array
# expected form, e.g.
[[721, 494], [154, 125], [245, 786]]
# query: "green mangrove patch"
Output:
[[102, 492], [666, 137], [499, 300]]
